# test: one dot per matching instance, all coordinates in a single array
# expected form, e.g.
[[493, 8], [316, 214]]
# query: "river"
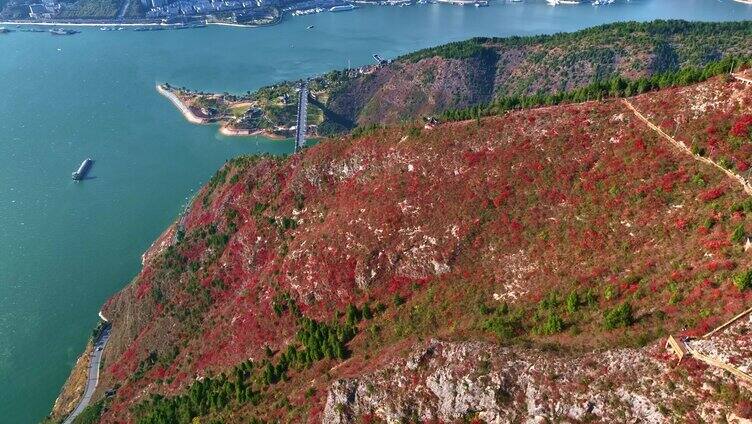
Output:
[[65, 247]]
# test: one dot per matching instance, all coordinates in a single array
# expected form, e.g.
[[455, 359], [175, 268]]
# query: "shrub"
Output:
[[573, 302], [365, 130], [619, 316], [744, 206], [353, 315], [591, 299], [738, 235], [725, 163], [741, 128], [554, 324], [550, 302], [505, 326], [713, 193], [367, 313], [698, 180], [744, 409], [743, 280]]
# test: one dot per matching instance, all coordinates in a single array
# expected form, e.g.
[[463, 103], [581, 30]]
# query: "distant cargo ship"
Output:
[[343, 8], [82, 170]]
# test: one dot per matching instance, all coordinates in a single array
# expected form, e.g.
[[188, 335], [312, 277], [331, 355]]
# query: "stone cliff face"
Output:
[[540, 251], [456, 382]]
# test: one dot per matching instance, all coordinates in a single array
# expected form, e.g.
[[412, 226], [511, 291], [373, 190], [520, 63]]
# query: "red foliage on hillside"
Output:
[[553, 199]]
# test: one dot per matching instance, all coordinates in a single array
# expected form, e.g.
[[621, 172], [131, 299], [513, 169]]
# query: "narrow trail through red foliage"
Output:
[[679, 145]]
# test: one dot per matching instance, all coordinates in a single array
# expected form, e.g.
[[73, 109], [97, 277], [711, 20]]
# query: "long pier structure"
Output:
[[302, 124]]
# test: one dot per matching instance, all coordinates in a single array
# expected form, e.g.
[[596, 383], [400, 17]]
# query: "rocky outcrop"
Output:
[[449, 382]]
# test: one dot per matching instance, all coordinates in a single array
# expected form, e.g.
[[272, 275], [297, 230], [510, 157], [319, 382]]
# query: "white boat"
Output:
[[343, 8]]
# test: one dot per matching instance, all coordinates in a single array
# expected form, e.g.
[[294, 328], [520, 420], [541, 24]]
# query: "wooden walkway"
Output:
[[679, 145], [718, 364], [728, 323], [681, 346], [682, 349], [742, 79]]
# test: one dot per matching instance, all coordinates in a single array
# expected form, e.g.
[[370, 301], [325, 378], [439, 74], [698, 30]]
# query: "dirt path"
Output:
[[679, 145], [123, 9]]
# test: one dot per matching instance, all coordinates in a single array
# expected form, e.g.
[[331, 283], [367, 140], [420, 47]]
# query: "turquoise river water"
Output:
[[66, 247]]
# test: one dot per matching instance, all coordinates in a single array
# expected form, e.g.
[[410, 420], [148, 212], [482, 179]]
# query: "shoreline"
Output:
[[223, 129], [231, 132], [175, 100], [88, 24], [74, 387], [92, 370], [116, 24]]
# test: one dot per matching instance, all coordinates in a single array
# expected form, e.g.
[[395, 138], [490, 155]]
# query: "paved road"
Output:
[[93, 379]]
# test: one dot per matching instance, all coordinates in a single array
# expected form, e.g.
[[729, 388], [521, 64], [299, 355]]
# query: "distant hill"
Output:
[[467, 73], [477, 71]]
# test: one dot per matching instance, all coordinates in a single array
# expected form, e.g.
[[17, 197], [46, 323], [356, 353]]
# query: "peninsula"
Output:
[[236, 116], [528, 266], [439, 81]]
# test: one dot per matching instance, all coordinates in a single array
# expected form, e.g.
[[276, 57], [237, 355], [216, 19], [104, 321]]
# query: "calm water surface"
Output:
[[65, 247]]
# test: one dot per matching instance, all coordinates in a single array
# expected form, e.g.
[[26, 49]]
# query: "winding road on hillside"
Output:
[[93, 379]]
